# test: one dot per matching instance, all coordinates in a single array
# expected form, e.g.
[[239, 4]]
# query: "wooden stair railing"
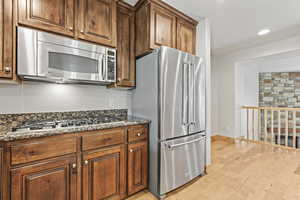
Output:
[[275, 125]]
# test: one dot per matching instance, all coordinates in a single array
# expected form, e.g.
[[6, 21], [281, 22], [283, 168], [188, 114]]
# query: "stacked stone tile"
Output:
[[279, 89]]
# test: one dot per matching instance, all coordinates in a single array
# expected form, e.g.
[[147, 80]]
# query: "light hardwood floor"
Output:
[[244, 171]]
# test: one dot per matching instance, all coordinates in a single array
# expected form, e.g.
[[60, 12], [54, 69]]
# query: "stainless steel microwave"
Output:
[[49, 57]]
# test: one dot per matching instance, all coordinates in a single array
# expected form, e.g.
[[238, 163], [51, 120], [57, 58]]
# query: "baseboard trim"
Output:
[[215, 138]]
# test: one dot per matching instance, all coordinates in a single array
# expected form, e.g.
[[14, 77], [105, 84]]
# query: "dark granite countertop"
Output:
[[19, 135]]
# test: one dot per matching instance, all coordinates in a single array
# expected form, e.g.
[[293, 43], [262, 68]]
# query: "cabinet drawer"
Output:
[[42, 149], [103, 139], [137, 133]]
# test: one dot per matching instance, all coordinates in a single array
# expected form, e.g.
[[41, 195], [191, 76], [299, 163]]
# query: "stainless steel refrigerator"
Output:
[[171, 93]]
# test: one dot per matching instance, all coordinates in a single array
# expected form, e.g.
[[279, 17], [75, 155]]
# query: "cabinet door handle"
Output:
[[74, 168], [7, 69], [81, 31], [71, 28]]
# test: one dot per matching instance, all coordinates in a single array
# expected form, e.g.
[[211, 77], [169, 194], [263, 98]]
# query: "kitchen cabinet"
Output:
[[137, 167], [158, 24], [125, 46], [48, 180], [91, 20], [1, 168], [55, 16], [100, 164], [97, 21], [186, 36], [163, 28], [103, 174], [6, 40]]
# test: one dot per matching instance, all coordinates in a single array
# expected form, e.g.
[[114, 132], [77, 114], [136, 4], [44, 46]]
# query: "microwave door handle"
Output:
[[102, 67], [105, 68]]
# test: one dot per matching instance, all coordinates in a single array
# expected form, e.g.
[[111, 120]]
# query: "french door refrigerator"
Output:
[[171, 93]]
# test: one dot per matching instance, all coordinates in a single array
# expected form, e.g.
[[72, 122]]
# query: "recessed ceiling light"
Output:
[[264, 32]]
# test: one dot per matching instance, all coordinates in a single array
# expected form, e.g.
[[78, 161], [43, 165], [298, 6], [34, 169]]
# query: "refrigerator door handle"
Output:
[[184, 111], [194, 95], [185, 143]]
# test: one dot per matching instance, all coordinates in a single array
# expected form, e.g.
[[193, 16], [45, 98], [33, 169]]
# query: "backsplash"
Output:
[[279, 89], [33, 97]]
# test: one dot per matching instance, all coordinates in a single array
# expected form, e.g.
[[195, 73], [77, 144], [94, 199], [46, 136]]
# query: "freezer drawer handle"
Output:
[[181, 144]]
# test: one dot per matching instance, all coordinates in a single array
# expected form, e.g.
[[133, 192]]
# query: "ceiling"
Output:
[[235, 23]]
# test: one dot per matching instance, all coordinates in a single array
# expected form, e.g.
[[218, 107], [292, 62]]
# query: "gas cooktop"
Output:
[[63, 124]]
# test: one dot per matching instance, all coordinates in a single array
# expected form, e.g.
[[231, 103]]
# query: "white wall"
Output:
[[224, 81], [247, 80], [203, 50], [43, 97]]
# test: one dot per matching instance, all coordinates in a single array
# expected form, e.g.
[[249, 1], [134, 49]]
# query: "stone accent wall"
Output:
[[279, 89]]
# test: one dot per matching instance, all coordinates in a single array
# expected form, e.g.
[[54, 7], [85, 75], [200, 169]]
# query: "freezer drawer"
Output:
[[181, 161]]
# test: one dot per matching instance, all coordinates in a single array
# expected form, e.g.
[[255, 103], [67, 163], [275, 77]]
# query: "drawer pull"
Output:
[[71, 28], [74, 166], [86, 162], [139, 134], [7, 69], [81, 31], [131, 150]]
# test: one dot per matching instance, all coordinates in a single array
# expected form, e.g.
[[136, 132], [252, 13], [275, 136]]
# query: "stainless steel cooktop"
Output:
[[63, 124]]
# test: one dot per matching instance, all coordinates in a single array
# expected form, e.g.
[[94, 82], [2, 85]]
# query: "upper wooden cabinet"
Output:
[[163, 27], [186, 36], [126, 46], [97, 21], [55, 15], [52, 179], [6, 39], [158, 24], [91, 20]]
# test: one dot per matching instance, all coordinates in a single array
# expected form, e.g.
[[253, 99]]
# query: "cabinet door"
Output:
[[126, 47], [103, 175], [55, 15], [1, 168], [186, 36], [163, 28], [137, 167], [6, 39], [98, 21], [49, 180]]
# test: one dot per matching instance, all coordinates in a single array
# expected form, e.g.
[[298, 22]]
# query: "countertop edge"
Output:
[[11, 136]]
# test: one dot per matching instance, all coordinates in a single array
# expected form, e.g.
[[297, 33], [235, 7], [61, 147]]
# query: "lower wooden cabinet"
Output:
[[103, 174], [49, 180], [137, 167], [92, 171], [1, 168]]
